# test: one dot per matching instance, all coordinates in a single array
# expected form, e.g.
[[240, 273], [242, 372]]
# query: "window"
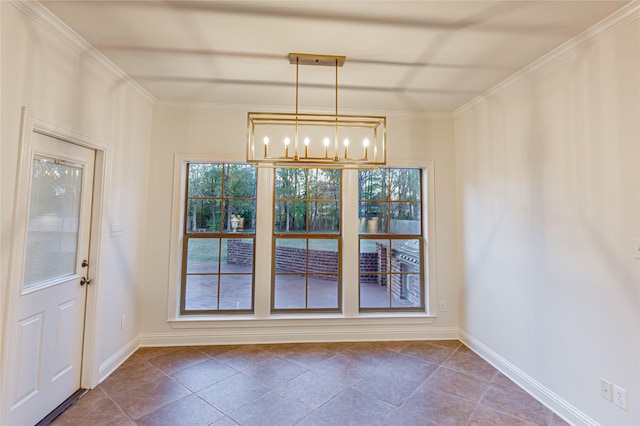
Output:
[[391, 239], [218, 241], [306, 240], [346, 242]]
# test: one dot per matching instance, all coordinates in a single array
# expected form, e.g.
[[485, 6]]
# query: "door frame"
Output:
[[33, 122]]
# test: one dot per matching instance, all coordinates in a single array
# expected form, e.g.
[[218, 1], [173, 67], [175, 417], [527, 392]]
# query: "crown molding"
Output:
[[276, 108], [617, 19], [45, 18]]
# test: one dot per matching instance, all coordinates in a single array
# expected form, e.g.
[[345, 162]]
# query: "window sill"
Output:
[[299, 328], [301, 320]]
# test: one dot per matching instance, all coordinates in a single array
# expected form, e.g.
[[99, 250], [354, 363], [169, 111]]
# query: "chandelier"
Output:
[[276, 139]]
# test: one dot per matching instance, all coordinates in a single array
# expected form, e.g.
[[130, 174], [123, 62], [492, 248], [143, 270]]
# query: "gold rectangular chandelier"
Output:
[[294, 139]]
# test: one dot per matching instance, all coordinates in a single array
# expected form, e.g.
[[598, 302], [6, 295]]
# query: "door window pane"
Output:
[[54, 213]]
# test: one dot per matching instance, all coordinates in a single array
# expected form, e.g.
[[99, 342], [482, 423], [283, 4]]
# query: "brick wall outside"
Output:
[[291, 259], [382, 252], [239, 252], [413, 291], [369, 262]]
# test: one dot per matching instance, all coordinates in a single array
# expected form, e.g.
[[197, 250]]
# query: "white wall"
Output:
[[222, 132], [42, 72], [548, 179]]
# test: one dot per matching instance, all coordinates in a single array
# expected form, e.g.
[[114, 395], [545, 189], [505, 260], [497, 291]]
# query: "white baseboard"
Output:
[[116, 360], [225, 336], [536, 389]]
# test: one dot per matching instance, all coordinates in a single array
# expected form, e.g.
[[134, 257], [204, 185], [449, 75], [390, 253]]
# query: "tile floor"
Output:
[[387, 383]]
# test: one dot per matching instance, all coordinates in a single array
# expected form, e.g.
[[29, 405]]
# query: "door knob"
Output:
[[84, 263], [86, 281]]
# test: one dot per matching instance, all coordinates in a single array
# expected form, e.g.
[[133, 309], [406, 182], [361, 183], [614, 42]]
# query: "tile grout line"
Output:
[[373, 360]]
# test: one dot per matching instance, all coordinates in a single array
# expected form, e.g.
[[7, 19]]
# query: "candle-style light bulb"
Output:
[[326, 143], [306, 147], [346, 148], [365, 143], [266, 144], [287, 141]]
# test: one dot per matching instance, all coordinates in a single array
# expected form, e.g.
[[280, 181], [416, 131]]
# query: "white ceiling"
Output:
[[424, 56]]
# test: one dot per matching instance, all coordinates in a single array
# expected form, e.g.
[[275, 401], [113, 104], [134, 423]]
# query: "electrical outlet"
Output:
[[123, 321], [443, 306], [620, 397], [116, 230], [606, 390]]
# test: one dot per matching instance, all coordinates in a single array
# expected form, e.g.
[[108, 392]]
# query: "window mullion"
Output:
[[350, 246], [264, 231]]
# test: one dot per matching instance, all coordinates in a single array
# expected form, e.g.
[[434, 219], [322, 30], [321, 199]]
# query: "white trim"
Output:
[[255, 332], [33, 122], [263, 242], [177, 220], [101, 184], [44, 17], [279, 108], [430, 238], [118, 358], [429, 234], [617, 19], [2, 286], [264, 232], [536, 389]]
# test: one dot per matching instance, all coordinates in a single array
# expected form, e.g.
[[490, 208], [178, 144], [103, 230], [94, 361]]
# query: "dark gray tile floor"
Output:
[[374, 383]]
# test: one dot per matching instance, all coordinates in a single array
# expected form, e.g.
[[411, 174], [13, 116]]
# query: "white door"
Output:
[[49, 332]]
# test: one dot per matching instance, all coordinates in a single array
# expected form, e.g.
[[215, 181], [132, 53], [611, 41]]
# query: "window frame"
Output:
[[307, 236], [391, 237], [382, 324], [219, 235]]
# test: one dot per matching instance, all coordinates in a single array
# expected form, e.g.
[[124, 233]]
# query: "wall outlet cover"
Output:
[[620, 397]]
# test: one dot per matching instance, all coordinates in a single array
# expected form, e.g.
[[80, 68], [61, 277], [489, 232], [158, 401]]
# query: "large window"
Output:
[[306, 241], [218, 241], [391, 242], [313, 241]]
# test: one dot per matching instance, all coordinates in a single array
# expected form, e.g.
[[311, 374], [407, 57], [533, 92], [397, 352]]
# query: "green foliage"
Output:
[[307, 200], [395, 189], [216, 192]]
